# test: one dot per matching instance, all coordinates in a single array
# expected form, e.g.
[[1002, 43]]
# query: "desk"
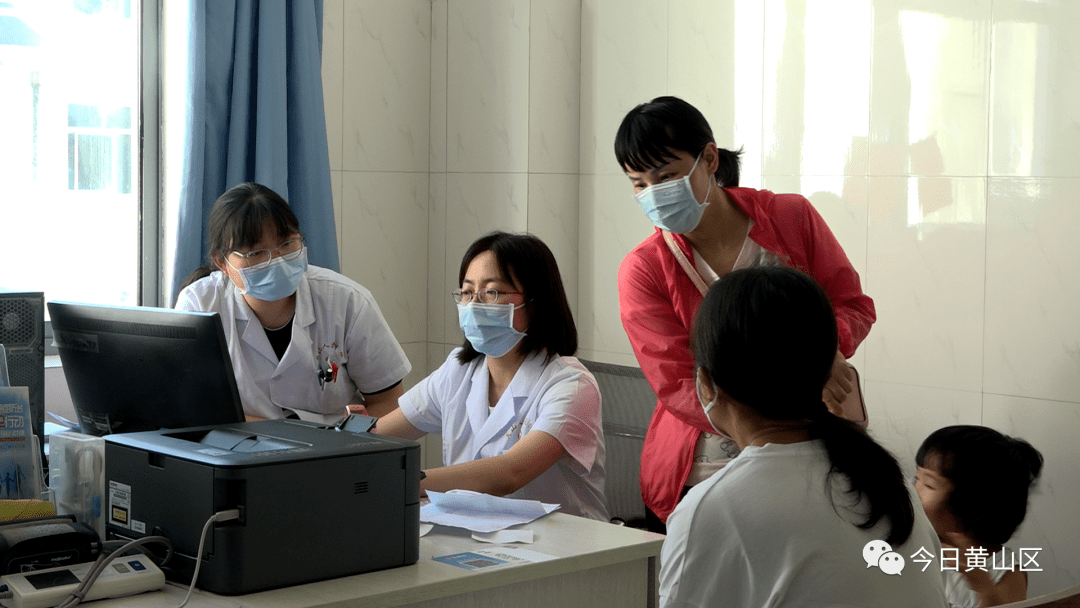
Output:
[[597, 564]]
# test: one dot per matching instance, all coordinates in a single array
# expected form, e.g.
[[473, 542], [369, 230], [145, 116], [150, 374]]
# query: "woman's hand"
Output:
[[355, 408], [839, 385]]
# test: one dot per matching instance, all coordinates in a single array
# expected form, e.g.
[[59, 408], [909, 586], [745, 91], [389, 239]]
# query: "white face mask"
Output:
[[672, 205], [708, 406]]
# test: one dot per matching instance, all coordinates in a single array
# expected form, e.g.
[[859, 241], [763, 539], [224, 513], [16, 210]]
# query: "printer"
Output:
[[315, 501]]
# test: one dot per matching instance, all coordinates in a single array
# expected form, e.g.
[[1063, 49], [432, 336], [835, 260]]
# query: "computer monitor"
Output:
[[142, 369]]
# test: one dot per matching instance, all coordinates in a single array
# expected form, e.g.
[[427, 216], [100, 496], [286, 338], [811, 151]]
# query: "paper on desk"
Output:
[[481, 512], [502, 537], [425, 528]]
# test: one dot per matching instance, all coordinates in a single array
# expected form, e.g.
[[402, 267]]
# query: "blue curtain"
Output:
[[255, 114]]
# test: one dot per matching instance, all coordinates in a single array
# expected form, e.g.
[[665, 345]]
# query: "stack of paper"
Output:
[[481, 512]]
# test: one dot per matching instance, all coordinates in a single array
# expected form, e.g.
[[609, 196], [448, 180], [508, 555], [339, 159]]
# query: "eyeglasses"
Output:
[[485, 296], [289, 250]]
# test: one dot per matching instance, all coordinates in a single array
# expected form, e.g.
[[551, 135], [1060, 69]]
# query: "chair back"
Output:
[[628, 404]]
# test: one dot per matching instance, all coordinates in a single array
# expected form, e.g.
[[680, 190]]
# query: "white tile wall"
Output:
[[488, 86], [926, 279], [437, 145], [718, 68], [1033, 289], [611, 225], [553, 216], [931, 69], [623, 63], [384, 220], [1052, 427], [333, 77], [938, 139], [554, 86], [902, 416], [815, 115], [1034, 84], [386, 85]]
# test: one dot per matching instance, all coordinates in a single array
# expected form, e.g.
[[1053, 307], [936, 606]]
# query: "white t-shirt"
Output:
[[560, 398], [336, 322], [762, 532]]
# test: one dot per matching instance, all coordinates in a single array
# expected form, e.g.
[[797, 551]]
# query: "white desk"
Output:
[[598, 564]]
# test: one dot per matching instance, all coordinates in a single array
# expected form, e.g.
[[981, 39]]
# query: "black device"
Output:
[[138, 368], [22, 332], [36, 544], [303, 490]]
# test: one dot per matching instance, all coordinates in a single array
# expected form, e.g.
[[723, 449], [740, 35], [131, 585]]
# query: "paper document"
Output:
[[503, 537], [481, 559], [480, 512]]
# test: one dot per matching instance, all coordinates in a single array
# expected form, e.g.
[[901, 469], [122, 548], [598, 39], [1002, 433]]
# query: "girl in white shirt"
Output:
[[973, 483], [519, 415], [792, 520]]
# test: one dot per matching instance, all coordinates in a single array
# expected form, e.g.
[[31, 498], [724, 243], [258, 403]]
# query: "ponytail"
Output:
[[767, 337], [727, 171], [871, 472]]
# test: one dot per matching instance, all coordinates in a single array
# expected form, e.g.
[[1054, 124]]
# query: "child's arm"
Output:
[[1011, 588]]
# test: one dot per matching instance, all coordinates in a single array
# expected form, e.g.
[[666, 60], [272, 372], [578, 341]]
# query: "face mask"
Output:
[[278, 279], [671, 205], [489, 327], [708, 406]]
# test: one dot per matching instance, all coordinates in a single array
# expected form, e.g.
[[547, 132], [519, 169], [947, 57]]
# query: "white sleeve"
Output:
[[376, 359], [423, 404], [570, 412], [188, 300], [203, 295]]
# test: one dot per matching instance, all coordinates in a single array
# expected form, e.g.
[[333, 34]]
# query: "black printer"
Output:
[[315, 501]]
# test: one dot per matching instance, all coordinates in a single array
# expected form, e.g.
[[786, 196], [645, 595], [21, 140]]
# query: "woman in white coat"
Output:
[[519, 415], [304, 341]]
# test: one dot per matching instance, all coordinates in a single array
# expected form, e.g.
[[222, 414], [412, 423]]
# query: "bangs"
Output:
[[643, 144], [247, 228]]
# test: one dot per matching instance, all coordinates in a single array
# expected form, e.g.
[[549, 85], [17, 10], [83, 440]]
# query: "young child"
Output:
[[974, 483]]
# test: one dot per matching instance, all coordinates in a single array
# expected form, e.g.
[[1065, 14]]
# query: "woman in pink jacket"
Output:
[[706, 226]]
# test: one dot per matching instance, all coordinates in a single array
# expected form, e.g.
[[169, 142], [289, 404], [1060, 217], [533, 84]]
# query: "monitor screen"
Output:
[[142, 369]]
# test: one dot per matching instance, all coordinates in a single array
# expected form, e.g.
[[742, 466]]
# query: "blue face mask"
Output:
[[275, 281], [489, 327], [671, 205]]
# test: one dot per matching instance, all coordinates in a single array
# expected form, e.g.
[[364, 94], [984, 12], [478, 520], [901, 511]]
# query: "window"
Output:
[[99, 148], [74, 158]]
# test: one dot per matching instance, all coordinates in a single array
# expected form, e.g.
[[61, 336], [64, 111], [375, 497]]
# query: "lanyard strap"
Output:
[[685, 263]]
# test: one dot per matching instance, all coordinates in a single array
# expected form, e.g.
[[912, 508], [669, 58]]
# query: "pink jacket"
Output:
[[657, 301]]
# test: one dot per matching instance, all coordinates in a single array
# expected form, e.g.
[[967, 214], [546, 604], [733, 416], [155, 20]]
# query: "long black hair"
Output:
[[651, 133], [766, 336], [525, 260], [991, 475]]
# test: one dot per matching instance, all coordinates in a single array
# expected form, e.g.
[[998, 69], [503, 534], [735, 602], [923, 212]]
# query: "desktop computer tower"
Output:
[[22, 332]]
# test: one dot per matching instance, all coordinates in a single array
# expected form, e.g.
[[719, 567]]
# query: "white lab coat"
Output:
[[560, 398], [336, 321]]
